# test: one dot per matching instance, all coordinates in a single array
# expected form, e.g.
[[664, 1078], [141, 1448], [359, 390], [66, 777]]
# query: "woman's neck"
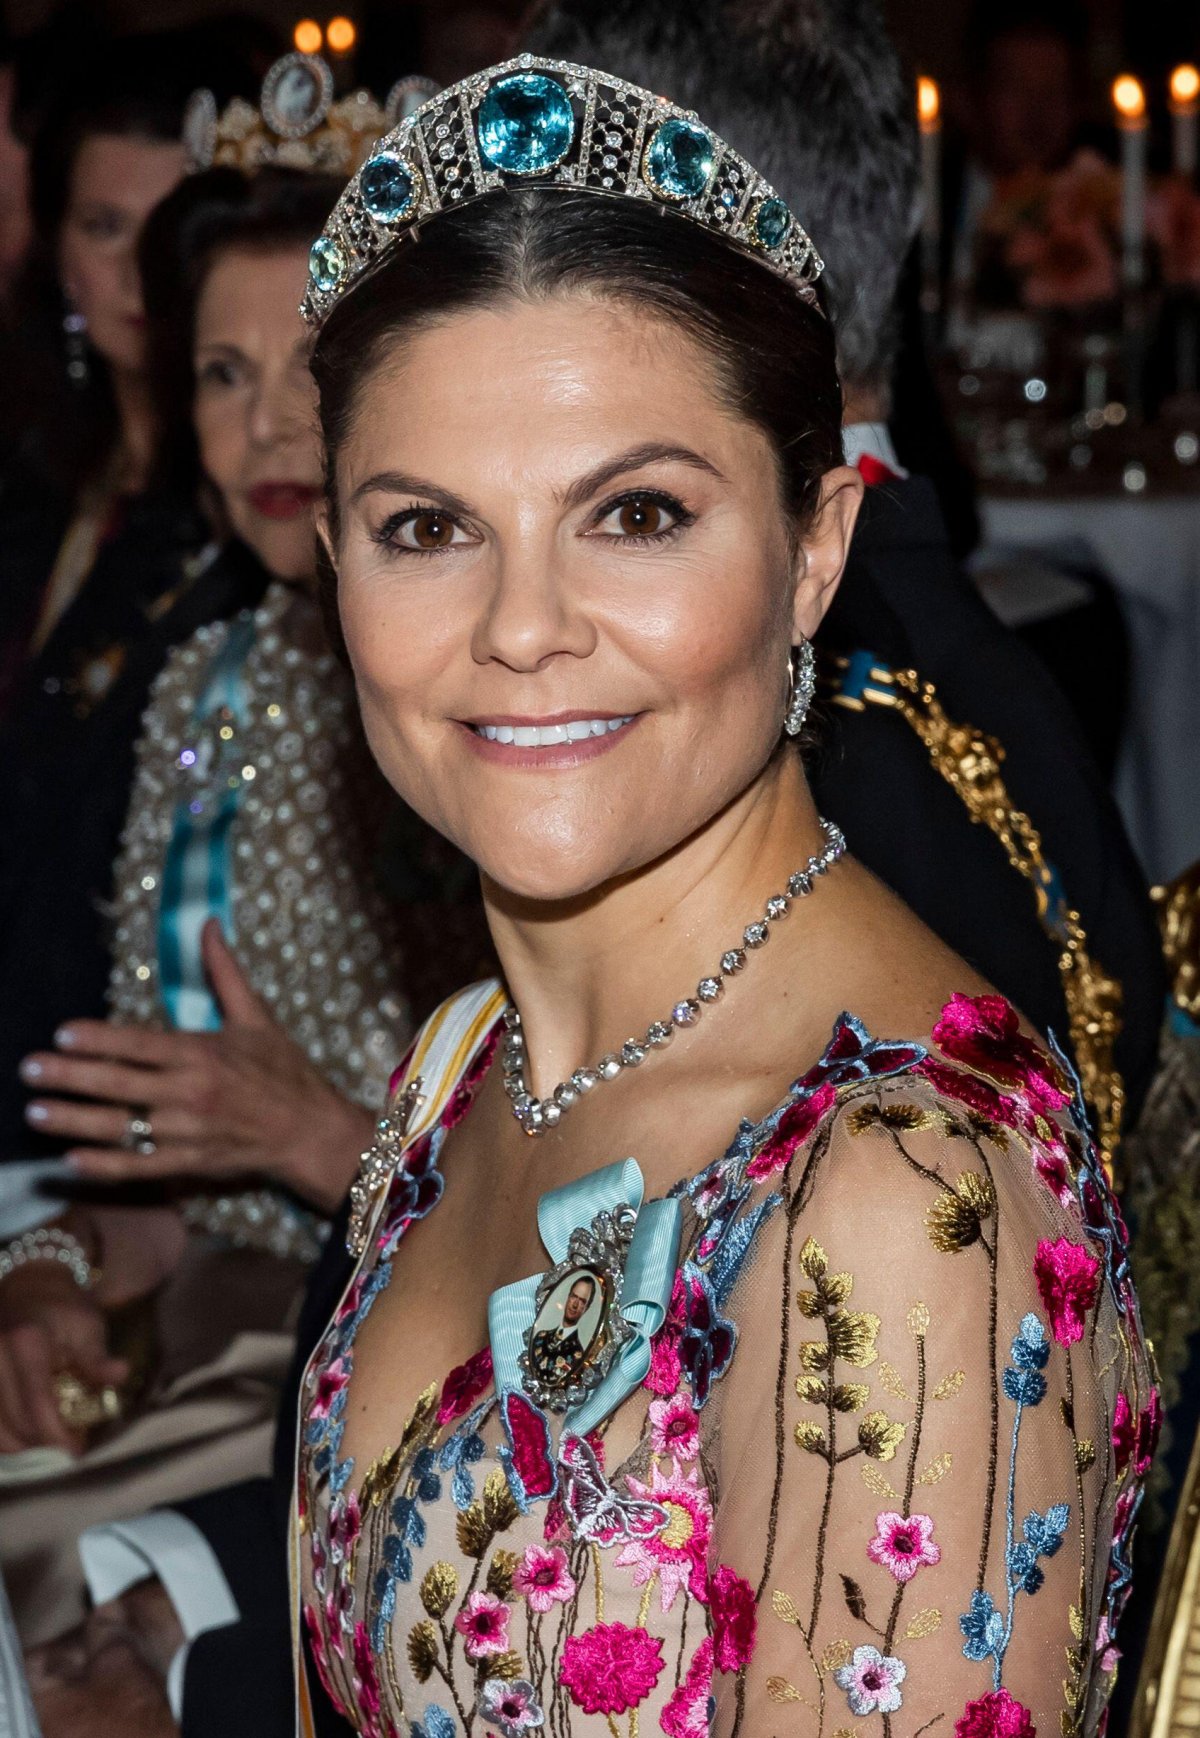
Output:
[[135, 419], [590, 973]]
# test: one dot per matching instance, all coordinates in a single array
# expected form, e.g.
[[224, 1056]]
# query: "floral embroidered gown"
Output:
[[881, 1477]]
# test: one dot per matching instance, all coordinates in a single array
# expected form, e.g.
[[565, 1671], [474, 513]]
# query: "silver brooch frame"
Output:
[[278, 114], [596, 1255]]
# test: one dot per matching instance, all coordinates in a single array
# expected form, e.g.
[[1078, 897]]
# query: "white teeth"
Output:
[[551, 735]]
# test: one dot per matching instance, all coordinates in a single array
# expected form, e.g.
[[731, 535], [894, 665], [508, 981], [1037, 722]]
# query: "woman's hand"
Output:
[[48, 1325], [238, 1102]]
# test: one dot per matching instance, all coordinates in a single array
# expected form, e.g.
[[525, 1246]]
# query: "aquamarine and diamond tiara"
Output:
[[549, 123]]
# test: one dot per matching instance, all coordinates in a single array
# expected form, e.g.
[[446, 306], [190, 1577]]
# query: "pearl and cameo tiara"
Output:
[[546, 123], [298, 124]]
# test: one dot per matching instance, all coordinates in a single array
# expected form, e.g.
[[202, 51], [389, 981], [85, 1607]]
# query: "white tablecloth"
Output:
[[1151, 552]]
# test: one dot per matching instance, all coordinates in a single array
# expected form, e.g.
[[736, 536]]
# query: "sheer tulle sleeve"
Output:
[[927, 1445]]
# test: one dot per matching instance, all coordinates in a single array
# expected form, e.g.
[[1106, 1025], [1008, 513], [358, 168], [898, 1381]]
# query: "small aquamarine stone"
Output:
[[686, 1013], [733, 961], [632, 1054], [658, 1034], [610, 1066], [679, 159], [755, 934], [777, 907], [526, 124], [771, 223], [388, 188], [708, 989], [327, 264]]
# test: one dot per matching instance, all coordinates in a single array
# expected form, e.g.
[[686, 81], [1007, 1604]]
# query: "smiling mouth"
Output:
[[555, 735]]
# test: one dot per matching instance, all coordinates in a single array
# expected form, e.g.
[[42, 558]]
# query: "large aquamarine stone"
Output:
[[680, 159], [526, 124], [771, 223], [327, 264], [388, 188]]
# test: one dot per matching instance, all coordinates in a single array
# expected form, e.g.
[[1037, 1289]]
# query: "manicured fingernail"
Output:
[[31, 1070], [64, 1037], [36, 1113]]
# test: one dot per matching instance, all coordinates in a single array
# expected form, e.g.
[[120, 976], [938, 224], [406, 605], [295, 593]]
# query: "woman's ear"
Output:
[[821, 553]]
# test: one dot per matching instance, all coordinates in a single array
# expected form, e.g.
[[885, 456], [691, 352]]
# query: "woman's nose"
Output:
[[530, 614]]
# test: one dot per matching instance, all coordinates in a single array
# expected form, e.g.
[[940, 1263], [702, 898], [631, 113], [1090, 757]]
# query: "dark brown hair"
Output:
[[773, 352]]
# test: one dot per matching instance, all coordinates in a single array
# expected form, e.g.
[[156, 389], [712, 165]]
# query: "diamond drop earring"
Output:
[[802, 686]]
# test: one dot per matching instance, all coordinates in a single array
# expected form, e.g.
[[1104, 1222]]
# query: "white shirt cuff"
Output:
[[167, 1545]]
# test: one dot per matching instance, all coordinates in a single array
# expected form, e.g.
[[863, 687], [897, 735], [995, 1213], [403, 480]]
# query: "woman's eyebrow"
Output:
[[399, 483], [648, 453]]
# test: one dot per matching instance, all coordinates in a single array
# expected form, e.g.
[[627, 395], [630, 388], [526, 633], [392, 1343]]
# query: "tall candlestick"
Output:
[[1184, 90], [929, 116], [1129, 101]]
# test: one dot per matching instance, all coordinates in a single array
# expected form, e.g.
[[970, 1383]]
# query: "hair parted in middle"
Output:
[[812, 93]]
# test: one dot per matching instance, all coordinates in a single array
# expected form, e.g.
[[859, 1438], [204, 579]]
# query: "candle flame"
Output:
[[1185, 86], [929, 102], [341, 35], [1129, 99], [308, 36]]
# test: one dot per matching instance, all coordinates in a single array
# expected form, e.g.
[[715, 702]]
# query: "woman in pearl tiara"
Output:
[[860, 1439]]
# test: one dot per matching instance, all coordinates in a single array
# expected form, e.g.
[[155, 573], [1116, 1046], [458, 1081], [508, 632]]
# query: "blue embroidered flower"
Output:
[[437, 1724], [707, 1344], [983, 1627], [464, 1448], [852, 1055]]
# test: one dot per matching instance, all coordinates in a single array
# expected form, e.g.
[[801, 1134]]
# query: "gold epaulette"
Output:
[[970, 763]]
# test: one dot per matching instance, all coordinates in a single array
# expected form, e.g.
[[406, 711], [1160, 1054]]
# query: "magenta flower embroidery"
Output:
[[332, 1379], [985, 1033], [871, 1681], [345, 1524], [674, 1428], [903, 1544], [798, 1122], [1067, 1281], [464, 1385], [687, 1714], [734, 1613], [1124, 1432], [1107, 1653], [996, 1715], [366, 1683], [666, 1369], [677, 1553], [542, 1578], [483, 1625], [611, 1668], [1148, 1431]]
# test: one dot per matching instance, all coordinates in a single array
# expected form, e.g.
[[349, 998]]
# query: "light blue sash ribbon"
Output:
[[645, 1294], [198, 873]]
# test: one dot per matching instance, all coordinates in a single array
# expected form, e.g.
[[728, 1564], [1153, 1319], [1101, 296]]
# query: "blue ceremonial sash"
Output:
[[198, 872]]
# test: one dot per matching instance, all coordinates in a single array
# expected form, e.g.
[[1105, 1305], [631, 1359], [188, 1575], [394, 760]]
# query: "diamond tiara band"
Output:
[[550, 124]]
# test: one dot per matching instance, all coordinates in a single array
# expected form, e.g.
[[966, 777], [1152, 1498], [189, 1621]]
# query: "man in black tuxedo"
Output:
[[811, 92]]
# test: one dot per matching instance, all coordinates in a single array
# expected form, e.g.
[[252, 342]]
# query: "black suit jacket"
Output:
[[904, 599]]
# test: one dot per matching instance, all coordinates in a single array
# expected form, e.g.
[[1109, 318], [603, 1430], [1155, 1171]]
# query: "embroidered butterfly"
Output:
[[852, 1055], [597, 1511]]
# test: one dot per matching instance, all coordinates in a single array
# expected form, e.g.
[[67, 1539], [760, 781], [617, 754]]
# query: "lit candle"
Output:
[[1184, 90], [308, 36], [929, 116], [341, 35], [1129, 100]]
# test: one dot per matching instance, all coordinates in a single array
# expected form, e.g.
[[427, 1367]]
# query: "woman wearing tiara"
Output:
[[860, 1439]]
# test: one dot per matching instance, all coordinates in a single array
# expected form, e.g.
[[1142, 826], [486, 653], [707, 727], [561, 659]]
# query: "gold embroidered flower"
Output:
[[880, 1436], [900, 1118], [852, 1336], [956, 1217]]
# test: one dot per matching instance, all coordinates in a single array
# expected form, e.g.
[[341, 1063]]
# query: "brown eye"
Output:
[[645, 517], [641, 518], [431, 530]]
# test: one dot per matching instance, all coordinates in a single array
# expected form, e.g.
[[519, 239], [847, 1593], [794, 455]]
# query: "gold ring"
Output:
[[81, 1407]]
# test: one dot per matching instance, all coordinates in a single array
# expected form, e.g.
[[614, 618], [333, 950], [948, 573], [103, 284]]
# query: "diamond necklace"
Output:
[[536, 1115]]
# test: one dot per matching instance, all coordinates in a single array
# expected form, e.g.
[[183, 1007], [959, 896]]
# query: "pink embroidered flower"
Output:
[[968, 1089], [542, 1578], [339, 1609], [511, 1706], [330, 1382], [1148, 1429], [464, 1385], [798, 1122], [351, 1300], [611, 1668], [674, 1428], [677, 1553], [666, 1369], [871, 1681], [366, 1683], [345, 1524], [1067, 1280], [734, 1619], [1124, 1432], [687, 1714], [483, 1625], [316, 1642], [1107, 1653], [1051, 1165], [903, 1544], [996, 1715], [529, 1437], [319, 1559], [985, 1033]]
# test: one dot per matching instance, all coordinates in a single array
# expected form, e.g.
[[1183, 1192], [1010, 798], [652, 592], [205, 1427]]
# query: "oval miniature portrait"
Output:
[[568, 1331], [296, 95]]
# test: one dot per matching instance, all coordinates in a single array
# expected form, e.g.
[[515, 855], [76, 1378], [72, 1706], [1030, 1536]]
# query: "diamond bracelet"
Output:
[[48, 1243]]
